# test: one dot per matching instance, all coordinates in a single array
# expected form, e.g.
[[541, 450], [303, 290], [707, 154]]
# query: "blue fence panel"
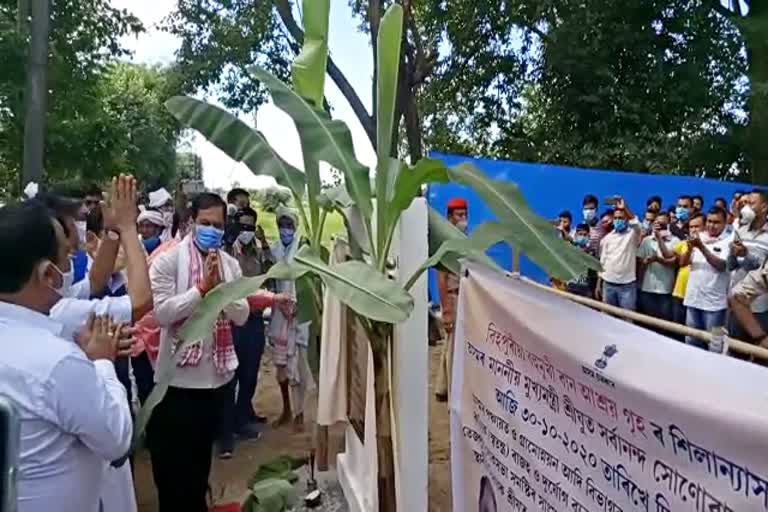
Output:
[[550, 189]]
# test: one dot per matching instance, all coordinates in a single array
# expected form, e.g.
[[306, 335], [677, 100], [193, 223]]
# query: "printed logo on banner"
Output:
[[536, 430], [609, 352]]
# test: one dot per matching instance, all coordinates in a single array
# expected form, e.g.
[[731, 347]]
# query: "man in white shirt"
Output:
[[748, 252], [74, 413], [706, 297], [618, 254], [183, 426]]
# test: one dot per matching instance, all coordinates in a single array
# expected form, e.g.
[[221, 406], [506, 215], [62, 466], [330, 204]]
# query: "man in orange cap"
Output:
[[448, 285]]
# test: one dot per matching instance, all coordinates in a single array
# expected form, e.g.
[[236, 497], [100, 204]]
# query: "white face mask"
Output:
[[67, 278], [747, 215], [246, 237], [462, 226], [81, 230]]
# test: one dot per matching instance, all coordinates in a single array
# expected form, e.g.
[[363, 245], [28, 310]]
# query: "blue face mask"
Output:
[[619, 225], [681, 213], [581, 241], [150, 244], [286, 235], [208, 238]]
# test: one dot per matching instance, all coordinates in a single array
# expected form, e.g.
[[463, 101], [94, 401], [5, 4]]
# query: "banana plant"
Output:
[[372, 211]]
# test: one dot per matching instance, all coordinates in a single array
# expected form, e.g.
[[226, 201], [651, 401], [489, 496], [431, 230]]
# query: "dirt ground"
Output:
[[229, 477]]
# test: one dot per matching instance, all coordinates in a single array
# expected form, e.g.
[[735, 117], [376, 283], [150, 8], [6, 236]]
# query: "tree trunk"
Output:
[[757, 54], [380, 339], [36, 93]]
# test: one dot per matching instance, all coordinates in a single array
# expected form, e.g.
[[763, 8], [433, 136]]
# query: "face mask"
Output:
[[646, 225], [589, 214], [462, 226], [246, 237], [150, 244], [66, 281], [620, 225], [747, 215], [81, 230], [286, 235], [581, 241], [208, 238], [681, 213]]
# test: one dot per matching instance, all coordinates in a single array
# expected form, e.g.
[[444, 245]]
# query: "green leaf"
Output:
[[238, 140], [409, 184], [456, 246], [309, 299], [388, 40], [199, 325], [358, 285], [531, 234], [281, 467], [273, 495], [335, 198], [323, 138], [308, 67]]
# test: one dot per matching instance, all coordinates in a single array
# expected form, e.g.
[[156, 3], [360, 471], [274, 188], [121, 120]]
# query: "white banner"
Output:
[[556, 407]]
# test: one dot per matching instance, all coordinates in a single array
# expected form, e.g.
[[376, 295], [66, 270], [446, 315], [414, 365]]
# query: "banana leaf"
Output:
[[238, 140], [308, 68], [358, 285], [389, 40], [520, 226], [322, 138]]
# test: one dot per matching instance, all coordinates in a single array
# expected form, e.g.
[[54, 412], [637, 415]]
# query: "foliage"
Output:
[[270, 495], [658, 86], [275, 197], [281, 467], [84, 40], [220, 39]]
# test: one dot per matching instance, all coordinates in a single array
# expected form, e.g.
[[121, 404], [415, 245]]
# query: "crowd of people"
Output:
[[98, 288], [696, 265]]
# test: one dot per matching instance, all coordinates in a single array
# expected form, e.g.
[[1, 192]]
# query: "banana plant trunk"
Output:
[[757, 54], [380, 338]]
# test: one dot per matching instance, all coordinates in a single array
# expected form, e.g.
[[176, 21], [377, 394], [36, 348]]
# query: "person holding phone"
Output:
[[618, 254], [748, 252], [706, 296], [656, 267], [75, 417]]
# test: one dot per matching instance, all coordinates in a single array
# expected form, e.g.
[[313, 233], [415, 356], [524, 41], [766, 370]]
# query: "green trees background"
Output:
[[659, 86]]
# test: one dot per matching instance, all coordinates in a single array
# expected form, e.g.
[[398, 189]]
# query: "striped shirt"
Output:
[[756, 242]]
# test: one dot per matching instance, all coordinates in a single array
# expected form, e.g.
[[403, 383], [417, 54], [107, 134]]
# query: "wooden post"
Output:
[[321, 447], [515, 261]]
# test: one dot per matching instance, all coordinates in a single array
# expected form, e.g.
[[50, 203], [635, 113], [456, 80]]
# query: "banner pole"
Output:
[[733, 343]]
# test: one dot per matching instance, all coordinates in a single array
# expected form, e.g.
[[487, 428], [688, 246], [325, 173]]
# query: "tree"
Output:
[[189, 166], [142, 135], [84, 38], [363, 284], [505, 79], [653, 86], [750, 17]]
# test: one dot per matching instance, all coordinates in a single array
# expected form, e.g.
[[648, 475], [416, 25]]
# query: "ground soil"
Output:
[[229, 478]]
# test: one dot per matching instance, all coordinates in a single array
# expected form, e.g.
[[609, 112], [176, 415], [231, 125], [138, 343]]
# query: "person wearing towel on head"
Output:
[[161, 200], [288, 338]]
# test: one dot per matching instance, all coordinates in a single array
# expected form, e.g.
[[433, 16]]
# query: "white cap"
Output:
[[159, 197]]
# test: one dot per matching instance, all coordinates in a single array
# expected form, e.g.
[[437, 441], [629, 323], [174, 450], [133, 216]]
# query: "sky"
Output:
[[349, 49]]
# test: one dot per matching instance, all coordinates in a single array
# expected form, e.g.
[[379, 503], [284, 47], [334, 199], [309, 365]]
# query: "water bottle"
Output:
[[719, 342]]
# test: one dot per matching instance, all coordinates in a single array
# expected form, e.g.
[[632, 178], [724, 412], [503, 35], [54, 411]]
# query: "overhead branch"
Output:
[[286, 15]]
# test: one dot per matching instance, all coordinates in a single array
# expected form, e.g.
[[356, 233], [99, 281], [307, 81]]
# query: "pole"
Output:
[[36, 93]]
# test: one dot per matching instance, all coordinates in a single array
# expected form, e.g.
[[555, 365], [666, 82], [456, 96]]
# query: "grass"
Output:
[[334, 225]]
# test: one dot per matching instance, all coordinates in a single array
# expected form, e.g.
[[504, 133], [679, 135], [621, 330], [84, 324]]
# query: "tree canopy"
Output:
[[663, 86]]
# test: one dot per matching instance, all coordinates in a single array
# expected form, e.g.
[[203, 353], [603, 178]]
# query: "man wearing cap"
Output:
[[448, 285], [162, 201], [151, 224]]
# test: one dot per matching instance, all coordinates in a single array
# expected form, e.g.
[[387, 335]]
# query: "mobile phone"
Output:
[[611, 201], [10, 433], [736, 236]]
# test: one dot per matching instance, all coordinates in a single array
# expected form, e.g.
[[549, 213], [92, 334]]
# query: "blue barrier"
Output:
[[550, 189]]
